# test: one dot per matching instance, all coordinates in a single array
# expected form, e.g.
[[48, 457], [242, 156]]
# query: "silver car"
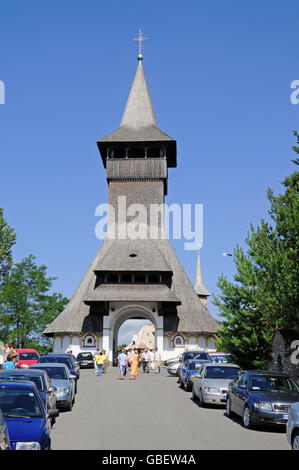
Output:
[[62, 380], [172, 369], [210, 384], [293, 427]]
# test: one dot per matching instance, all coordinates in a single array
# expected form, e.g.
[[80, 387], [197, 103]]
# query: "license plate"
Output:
[[285, 417]]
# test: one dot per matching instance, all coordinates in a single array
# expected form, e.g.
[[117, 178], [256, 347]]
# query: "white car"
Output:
[[293, 427]]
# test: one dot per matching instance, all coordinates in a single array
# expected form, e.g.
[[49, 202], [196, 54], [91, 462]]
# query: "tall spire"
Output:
[[139, 112], [139, 123], [200, 289]]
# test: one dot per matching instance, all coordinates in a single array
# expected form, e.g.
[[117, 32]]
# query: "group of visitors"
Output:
[[148, 358], [10, 357]]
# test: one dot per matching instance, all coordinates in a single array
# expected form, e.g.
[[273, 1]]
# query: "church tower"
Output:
[[136, 273]]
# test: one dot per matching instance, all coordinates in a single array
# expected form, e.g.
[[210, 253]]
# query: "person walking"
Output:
[[151, 359], [122, 361], [129, 354], [157, 360], [95, 361], [105, 361], [145, 361], [134, 364], [100, 363]]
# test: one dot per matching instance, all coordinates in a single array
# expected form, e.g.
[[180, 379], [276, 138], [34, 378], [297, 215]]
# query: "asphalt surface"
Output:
[[151, 413]]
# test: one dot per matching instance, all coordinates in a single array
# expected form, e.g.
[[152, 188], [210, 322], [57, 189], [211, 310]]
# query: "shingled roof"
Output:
[[139, 122], [192, 315]]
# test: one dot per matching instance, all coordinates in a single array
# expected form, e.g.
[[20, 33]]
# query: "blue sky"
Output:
[[219, 74]]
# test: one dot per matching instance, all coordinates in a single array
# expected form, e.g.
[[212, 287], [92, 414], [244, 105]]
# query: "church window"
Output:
[[89, 341], [179, 340]]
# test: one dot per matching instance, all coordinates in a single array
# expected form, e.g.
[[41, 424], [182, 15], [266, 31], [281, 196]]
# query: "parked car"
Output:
[[26, 417], [220, 357], [293, 427], [66, 359], [262, 397], [167, 362], [172, 369], [64, 382], [26, 357], [4, 436], [196, 354], [85, 360], [210, 384], [41, 380], [188, 370]]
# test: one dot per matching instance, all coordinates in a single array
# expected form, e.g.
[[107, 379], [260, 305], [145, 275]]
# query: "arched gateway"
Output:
[[136, 273]]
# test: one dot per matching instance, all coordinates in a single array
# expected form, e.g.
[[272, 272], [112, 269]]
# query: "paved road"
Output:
[[151, 413]]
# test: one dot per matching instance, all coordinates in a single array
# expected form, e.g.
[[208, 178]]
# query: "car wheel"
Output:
[[76, 386], [295, 441], [247, 423], [73, 400], [194, 397]]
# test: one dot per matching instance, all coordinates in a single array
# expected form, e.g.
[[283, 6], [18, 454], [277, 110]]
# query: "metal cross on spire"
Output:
[[140, 40]]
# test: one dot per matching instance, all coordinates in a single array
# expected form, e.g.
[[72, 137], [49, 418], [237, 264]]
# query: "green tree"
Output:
[[264, 296], [7, 240], [26, 306]]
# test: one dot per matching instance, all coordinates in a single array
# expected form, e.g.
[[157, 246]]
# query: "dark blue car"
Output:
[[39, 378], [66, 359], [25, 415], [262, 397], [188, 369]]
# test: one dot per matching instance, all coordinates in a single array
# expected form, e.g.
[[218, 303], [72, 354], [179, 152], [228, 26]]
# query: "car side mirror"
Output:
[[52, 389], [242, 386], [73, 377]]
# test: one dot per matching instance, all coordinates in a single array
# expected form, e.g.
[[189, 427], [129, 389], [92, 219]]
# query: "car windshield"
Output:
[[194, 365], [28, 356], [55, 372], [59, 360], [196, 355], [84, 356], [222, 358], [221, 372], [19, 402], [272, 382], [32, 378]]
